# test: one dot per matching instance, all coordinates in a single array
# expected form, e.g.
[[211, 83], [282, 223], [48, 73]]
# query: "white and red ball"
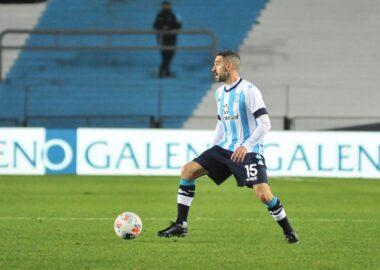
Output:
[[128, 225]]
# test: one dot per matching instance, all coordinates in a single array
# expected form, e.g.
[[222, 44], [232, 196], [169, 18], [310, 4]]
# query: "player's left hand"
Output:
[[239, 154]]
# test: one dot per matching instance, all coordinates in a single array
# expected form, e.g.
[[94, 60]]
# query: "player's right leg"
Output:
[[186, 192]]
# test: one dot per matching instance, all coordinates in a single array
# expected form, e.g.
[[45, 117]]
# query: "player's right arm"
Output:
[[218, 133], [219, 129]]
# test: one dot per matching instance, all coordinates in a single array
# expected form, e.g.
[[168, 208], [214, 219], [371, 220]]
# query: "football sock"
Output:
[[185, 197], [278, 213]]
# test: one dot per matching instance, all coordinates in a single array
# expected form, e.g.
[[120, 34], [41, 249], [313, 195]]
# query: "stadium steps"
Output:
[[317, 62], [14, 16], [75, 84]]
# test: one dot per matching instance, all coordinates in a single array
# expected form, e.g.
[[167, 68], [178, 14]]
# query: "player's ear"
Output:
[[229, 66]]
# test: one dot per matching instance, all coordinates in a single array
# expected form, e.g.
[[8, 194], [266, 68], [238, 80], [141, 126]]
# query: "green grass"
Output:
[[66, 222]]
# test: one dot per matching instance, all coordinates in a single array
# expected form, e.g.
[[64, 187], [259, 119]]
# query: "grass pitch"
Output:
[[66, 222]]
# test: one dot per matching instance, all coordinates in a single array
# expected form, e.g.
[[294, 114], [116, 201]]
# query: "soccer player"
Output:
[[238, 147]]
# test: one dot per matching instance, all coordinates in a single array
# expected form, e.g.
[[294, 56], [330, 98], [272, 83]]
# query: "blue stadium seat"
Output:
[[78, 85]]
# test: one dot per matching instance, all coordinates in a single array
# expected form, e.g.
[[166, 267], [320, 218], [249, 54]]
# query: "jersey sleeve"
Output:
[[218, 133], [263, 127], [256, 103]]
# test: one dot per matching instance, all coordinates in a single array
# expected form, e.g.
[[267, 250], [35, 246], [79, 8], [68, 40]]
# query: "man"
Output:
[[166, 20], [238, 147]]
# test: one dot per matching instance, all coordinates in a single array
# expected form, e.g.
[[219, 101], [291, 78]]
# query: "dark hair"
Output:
[[166, 3], [230, 57], [228, 53]]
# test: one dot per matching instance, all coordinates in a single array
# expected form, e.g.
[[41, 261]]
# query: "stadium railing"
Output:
[[13, 122], [106, 43], [107, 46], [157, 119], [87, 120]]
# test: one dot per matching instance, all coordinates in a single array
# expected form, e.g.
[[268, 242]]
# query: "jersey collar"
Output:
[[234, 85]]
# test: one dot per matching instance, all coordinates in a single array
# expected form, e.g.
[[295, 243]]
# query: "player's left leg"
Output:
[[277, 211]]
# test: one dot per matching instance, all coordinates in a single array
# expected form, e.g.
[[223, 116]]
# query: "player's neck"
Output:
[[232, 79]]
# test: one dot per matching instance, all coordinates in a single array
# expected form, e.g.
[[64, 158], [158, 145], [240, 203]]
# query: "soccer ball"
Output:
[[128, 225]]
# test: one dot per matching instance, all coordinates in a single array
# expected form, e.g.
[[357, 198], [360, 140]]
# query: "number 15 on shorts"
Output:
[[251, 171]]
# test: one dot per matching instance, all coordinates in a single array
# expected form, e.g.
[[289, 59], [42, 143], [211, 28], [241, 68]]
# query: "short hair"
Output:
[[230, 56], [166, 3]]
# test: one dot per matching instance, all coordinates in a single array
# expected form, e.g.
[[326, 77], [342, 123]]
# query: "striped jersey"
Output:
[[238, 107]]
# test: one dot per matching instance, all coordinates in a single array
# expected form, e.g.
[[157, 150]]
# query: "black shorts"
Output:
[[217, 161]]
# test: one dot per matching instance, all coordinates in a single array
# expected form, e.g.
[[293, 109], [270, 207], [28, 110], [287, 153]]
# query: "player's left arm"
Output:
[[263, 127], [257, 107]]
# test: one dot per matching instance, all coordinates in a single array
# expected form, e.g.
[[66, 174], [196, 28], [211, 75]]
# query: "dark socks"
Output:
[[277, 211], [185, 196]]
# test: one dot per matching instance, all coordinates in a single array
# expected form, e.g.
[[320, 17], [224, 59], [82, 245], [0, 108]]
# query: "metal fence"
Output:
[[286, 119], [108, 41]]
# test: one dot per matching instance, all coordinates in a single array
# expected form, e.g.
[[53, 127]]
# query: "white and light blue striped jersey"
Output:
[[238, 108]]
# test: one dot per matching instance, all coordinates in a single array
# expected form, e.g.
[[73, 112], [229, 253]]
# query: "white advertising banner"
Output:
[[163, 152], [21, 151], [337, 154], [137, 151]]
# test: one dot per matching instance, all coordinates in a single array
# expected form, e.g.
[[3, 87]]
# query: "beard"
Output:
[[222, 76]]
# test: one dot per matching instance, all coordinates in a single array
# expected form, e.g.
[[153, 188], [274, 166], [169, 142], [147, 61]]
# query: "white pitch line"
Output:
[[294, 219], [56, 218], [197, 218]]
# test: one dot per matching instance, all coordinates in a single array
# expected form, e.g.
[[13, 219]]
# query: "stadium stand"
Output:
[[118, 88], [17, 16], [316, 62]]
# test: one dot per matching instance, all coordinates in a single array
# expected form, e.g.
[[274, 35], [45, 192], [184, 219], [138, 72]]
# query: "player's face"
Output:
[[219, 69]]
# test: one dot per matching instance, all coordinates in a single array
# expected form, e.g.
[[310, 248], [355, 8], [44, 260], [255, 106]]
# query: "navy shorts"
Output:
[[217, 161]]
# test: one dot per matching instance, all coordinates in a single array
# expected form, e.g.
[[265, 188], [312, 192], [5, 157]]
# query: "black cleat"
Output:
[[174, 229], [291, 238]]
